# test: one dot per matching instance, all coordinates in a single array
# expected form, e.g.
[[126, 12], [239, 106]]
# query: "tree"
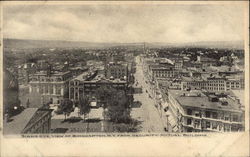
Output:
[[66, 106], [84, 106], [105, 94], [118, 108]]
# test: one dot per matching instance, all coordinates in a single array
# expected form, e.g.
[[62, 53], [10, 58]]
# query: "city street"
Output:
[[146, 112]]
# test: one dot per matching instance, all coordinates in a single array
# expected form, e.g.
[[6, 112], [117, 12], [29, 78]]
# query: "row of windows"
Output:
[[212, 125], [47, 89], [117, 70], [48, 79], [216, 81], [214, 115]]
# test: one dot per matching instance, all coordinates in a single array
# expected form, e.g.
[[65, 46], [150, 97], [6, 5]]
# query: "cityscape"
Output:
[[66, 87]]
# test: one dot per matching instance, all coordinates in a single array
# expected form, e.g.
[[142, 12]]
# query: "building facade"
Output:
[[116, 71], [53, 86], [83, 88], [196, 112]]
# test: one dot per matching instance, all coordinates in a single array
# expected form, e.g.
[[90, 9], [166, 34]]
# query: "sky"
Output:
[[124, 23]]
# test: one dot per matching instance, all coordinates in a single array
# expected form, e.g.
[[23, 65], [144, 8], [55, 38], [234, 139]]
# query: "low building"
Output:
[[195, 111], [29, 121]]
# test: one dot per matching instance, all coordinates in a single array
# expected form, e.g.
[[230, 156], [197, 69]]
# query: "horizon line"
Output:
[[139, 42]]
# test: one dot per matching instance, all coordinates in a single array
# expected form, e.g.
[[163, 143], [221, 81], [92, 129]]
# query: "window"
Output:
[[189, 111], [189, 121], [58, 89], [208, 124], [235, 118], [51, 89], [214, 125], [197, 114], [208, 114], [41, 91], [46, 89], [226, 118], [196, 123], [215, 115]]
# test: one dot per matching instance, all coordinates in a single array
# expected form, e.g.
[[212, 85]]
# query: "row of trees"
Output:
[[67, 106], [115, 104]]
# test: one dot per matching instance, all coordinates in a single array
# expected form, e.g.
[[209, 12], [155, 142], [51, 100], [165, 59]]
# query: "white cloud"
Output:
[[126, 23]]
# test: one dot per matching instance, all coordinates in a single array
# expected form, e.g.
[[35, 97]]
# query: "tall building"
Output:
[[53, 86]]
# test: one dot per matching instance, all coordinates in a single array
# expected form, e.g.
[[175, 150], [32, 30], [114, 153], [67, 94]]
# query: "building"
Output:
[[235, 83], [162, 71], [205, 61], [52, 85], [178, 64], [25, 71], [29, 121], [42, 65], [116, 70], [195, 111], [213, 83], [83, 85]]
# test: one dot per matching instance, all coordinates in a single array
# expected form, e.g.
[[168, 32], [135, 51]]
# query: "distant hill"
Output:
[[23, 44], [217, 44]]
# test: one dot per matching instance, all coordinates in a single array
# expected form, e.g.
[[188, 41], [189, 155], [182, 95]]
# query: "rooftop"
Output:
[[82, 76], [196, 98], [101, 78]]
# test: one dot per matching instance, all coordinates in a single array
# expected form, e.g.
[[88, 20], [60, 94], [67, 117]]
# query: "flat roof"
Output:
[[202, 101]]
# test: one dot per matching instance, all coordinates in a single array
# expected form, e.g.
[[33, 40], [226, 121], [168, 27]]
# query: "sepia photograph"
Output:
[[127, 69]]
